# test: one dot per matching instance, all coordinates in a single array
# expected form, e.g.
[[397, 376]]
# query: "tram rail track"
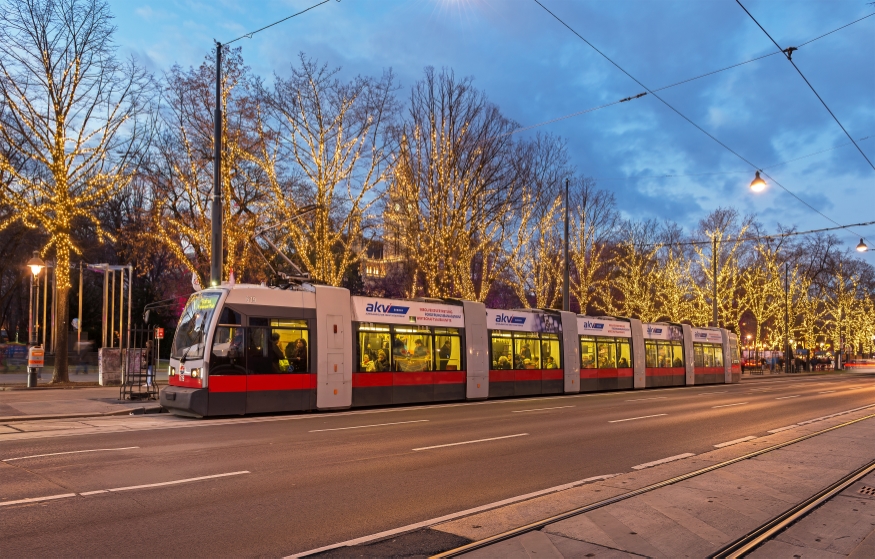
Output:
[[759, 535]]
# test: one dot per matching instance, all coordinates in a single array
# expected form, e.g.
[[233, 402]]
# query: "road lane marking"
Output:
[[736, 441], [779, 429], [827, 392], [643, 399], [71, 452], [452, 516], [728, 405], [788, 397], [164, 483], [363, 426], [542, 409], [37, 499], [471, 442], [663, 461], [634, 418]]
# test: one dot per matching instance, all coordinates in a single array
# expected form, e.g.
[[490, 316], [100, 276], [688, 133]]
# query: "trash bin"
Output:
[[31, 377]]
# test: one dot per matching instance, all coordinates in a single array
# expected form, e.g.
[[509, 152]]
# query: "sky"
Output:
[[656, 163]]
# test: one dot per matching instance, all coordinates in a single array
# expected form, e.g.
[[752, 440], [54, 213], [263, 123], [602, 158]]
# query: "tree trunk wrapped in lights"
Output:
[[334, 134], [454, 187], [761, 290], [181, 167], [71, 123], [632, 277]]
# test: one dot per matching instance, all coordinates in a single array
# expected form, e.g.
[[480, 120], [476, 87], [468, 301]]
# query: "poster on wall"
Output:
[[523, 321], [393, 311], [660, 331], [707, 336], [587, 326]]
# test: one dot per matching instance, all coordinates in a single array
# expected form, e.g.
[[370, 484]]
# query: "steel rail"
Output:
[[618, 498], [747, 543]]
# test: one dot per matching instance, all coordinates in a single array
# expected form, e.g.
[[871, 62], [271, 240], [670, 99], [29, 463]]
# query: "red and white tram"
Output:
[[253, 349]]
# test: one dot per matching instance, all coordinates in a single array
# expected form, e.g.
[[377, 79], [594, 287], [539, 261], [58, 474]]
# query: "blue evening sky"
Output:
[[536, 70]]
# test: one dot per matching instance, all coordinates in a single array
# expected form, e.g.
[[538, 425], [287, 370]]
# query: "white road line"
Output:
[[779, 429], [788, 397], [542, 409], [363, 426], [736, 441], [642, 399], [71, 452], [827, 392], [663, 461], [471, 442], [176, 482], [37, 499], [452, 516], [634, 418], [728, 405]]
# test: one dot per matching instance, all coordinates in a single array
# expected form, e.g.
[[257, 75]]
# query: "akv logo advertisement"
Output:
[[663, 332], [595, 327], [522, 321], [712, 336], [502, 318], [387, 311]]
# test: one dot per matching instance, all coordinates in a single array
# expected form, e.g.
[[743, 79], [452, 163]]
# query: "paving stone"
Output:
[[775, 548], [572, 548]]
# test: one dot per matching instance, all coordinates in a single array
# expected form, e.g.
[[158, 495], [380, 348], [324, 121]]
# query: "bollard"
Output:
[[31, 377]]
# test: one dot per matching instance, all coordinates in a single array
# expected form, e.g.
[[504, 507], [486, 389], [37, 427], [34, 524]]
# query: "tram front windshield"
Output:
[[188, 343]]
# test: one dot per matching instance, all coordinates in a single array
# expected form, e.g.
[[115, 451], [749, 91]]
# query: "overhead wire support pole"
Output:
[[714, 283], [216, 247], [566, 297]]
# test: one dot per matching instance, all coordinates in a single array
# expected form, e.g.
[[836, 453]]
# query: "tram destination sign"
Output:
[[394, 311]]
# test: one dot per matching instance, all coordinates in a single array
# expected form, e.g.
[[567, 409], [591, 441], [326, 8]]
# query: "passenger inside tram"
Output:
[[382, 362], [550, 364], [623, 364]]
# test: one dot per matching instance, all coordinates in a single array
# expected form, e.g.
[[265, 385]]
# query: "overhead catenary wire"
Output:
[[250, 34], [700, 76], [690, 121], [788, 53]]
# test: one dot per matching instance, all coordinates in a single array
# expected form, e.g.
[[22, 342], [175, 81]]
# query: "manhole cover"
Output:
[[866, 490]]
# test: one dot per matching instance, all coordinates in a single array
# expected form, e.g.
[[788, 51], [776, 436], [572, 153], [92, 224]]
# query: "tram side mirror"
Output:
[[146, 316]]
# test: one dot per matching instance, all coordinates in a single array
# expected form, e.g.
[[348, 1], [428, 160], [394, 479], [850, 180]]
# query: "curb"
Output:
[[130, 411], [10, 387]]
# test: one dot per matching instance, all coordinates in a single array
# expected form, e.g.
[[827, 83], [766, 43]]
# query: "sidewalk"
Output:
[[697, 516], [18, 405], [18, 375]]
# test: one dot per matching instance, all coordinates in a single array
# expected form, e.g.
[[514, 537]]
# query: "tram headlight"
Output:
[[195, 373], [172, 371]]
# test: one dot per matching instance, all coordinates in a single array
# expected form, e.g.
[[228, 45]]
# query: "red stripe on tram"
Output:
[[665, 371], [708, 370]]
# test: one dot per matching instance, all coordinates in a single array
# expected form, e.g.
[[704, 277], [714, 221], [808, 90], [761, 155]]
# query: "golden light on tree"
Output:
[[594, 220], [70, 123], [632, 277], [334, 133], [181, 168]]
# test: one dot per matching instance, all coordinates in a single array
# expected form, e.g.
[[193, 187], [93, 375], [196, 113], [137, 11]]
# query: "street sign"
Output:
[[159, 333], [36, 357]]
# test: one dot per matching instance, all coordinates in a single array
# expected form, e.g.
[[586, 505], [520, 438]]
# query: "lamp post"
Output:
[[566, 297], [36, 266]]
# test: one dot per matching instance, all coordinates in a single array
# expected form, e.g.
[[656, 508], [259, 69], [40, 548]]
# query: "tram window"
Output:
[[664, 354], [607, 349], [263, 354], [624, 354], [718, 356], [677, 355], [699, 354], [293, 339], [411, 349], [501, 346], [448, 349], [650, 359], [709, 356], [551, 354], [587, 353], [258, 321], [735, 358], [230, 316], [227, 356], [527, 351], [373, 349]]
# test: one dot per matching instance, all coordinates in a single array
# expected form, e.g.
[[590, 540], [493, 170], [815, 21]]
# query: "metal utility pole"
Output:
[[30, 328], [216, 208], [45, 302], [787, 316], [714, 295], [130, 287], [79, 329], [566, 297]]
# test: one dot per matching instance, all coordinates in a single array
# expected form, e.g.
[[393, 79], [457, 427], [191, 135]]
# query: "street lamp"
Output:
[[36, 266], [758, 184], [862, 246]]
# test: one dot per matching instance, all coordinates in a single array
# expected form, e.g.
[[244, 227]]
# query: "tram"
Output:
[[244, 349]]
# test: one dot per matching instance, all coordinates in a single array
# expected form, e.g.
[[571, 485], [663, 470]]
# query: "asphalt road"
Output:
[[317, 479]]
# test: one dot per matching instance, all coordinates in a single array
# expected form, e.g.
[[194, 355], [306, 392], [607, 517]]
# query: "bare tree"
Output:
[[71, 118]]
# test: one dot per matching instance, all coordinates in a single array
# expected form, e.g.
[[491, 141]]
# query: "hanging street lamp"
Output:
[[758, 184]]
